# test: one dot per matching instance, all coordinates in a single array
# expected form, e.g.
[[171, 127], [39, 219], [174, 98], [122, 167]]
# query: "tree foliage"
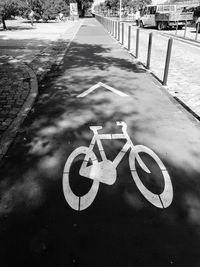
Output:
[[8, 8], [127, 5]]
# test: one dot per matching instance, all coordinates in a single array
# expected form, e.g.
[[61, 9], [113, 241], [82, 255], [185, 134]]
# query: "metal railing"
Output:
[[116, 29]]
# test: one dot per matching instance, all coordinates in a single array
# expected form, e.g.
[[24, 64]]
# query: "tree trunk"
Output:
[[82, 12], [4, 24]]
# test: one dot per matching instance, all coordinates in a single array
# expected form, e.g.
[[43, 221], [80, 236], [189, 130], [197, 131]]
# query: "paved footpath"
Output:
[[183, 78], [126, 194]]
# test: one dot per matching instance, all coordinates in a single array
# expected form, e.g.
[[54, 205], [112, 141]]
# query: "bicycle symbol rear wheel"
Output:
[[162, 200], [76, 202]]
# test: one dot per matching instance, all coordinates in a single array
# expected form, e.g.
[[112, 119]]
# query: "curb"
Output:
[[53, 51], [182, 39], [61, 56]]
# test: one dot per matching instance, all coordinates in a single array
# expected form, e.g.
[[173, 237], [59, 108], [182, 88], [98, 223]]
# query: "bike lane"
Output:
[[99, 84]]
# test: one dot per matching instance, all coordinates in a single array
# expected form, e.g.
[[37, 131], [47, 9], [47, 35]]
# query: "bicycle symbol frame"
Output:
[[105, 171]]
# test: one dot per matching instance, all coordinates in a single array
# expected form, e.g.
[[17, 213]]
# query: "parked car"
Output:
[[165, 16]]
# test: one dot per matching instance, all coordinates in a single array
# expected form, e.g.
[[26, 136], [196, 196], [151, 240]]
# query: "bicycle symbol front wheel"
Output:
[[162, 200], [76, 202]]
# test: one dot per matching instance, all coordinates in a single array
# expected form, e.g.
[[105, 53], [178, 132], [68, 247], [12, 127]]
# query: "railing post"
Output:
[[118, 38], [115, 29], [111, 27], [185, 29], [129, 38], [169, 49], [122, 33], [149, 50], [137, 43], [197, 32], [176, 28]]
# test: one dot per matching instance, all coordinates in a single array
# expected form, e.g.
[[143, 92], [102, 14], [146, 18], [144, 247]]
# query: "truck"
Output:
[[165, 16]]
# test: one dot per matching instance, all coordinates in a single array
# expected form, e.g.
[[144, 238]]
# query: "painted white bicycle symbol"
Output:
[[105, 171]]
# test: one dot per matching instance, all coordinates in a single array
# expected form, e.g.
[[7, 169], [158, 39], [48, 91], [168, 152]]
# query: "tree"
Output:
[[83, 5], [47, 9], [9, 8], [43, 9]]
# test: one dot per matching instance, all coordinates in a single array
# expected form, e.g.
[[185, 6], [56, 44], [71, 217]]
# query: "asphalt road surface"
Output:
[[127, 194]]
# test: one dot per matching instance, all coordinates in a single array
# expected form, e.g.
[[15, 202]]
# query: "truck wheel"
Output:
[[160, 26]]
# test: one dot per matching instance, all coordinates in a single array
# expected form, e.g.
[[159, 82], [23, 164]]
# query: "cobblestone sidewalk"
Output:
[[18, 89], [14, 89]]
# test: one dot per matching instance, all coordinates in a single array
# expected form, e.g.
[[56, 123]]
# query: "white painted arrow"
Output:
[[94, 87]]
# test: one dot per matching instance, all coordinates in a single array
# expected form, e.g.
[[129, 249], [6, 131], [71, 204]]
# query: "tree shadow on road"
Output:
[[98, 56], [120, 221]]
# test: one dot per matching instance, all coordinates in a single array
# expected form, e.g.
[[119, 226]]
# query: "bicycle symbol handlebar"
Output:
[[105, 170]]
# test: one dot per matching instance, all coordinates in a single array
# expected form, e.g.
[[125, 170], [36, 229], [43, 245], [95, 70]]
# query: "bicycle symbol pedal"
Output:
[[106, 170]]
